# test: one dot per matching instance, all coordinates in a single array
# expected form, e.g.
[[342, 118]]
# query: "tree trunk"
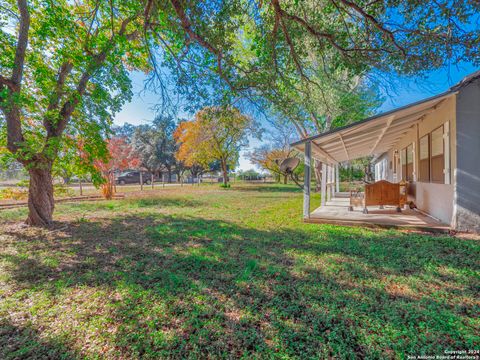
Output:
[[40, 196], [225, 173], [285, 179]]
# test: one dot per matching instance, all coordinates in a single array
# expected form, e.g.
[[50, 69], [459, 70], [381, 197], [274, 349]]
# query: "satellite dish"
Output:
[[289, 164]]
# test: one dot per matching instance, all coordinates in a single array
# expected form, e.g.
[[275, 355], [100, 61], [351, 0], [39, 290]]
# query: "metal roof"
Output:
[[377, 134], [372, 136]]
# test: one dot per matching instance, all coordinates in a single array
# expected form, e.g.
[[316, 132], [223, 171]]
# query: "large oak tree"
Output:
[[64, 69]]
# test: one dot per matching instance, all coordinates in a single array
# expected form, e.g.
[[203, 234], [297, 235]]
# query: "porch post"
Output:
[[323, 188], [327, 186], [306, 186], [330, 187], [337, 179]]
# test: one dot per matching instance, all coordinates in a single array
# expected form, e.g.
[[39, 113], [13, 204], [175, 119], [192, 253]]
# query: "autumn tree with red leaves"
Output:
[[121, 156]]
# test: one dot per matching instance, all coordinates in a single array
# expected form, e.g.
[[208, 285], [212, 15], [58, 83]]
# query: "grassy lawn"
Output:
[[201, 272]]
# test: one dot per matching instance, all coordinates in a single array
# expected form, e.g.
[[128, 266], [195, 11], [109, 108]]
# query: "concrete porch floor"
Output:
[[336, 212]]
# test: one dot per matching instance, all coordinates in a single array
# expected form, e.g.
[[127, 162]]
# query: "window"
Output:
[[424, 164], [406, 160], [433, 156], [437, 160]]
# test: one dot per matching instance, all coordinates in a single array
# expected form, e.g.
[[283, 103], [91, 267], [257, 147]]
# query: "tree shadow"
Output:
[[269, 188], [18, 342], [166, 202], [193, 287]]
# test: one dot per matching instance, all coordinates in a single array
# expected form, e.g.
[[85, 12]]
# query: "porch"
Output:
[[335, 211], [374, 137]]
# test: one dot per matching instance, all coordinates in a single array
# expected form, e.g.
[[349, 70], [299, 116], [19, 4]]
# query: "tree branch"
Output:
[[12, 111], [376, 23], [9, 84], [22, 43], [69, 106], [187, 26], [63, 72]]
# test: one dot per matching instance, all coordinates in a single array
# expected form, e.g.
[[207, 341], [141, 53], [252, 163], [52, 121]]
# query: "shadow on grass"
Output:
[[165, 202], [26, 343], [159, 202], [192, 287], [269, 188]]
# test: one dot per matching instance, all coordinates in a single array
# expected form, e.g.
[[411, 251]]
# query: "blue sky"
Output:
[[407, 90]]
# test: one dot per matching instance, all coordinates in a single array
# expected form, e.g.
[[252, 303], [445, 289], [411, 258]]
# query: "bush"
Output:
[[13, 194], [22, 194], [351, 173], [62, 190], [23, 183], [225, 186]]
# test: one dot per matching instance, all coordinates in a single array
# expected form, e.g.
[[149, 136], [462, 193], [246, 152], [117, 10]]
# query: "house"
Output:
[[433, 145]]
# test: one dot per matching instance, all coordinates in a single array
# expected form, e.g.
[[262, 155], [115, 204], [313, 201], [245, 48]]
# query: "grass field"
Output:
[[202, 272]]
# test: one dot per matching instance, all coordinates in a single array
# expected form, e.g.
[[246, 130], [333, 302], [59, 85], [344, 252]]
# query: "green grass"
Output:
[[229, 273]]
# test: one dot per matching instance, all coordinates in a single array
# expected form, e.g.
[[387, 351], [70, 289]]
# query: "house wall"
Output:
[[467, 174], [438, 199], [434, 199]]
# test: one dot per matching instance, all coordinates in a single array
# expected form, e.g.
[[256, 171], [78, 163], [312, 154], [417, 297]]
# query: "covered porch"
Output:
[[371, 137], [336, 212]]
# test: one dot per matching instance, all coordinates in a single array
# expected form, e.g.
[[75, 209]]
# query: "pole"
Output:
[[141, 181], [323, 188], [151, 174], [332, 184], [306, 186], [337, 178]]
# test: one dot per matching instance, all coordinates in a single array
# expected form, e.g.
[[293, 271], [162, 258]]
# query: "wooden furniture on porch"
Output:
[[380, 193]]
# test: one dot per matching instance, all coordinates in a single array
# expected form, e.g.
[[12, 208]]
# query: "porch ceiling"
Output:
[[372, 136]]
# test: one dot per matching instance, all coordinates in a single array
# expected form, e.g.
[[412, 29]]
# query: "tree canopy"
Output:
[[155, 144], [216, 134], [282, 51]]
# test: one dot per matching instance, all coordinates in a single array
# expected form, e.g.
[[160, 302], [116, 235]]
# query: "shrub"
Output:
[[13, 194], [62, 190], [23, 183]]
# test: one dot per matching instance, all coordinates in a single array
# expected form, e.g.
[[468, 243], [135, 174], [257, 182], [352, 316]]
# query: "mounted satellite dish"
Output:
[[289, 164]]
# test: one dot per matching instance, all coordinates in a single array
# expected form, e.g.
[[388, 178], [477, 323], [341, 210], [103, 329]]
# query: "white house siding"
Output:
[[436, 200]]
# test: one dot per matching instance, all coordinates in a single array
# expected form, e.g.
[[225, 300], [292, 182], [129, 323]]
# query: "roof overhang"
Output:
[[372, 136]]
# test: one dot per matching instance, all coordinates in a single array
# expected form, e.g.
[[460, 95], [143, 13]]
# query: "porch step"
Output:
[[342, 194]]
